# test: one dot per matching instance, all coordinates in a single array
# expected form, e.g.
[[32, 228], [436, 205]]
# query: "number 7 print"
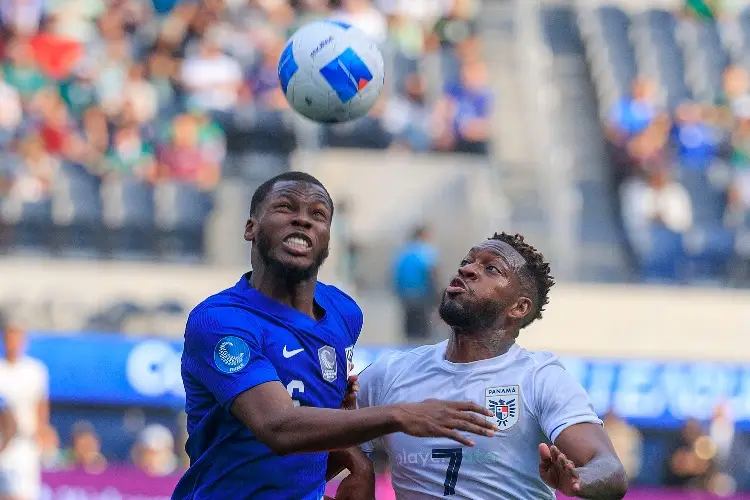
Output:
[[451, 475]]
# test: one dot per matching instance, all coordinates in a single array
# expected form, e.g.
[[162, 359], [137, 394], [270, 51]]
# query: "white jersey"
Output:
[[23, 385], [532, 395]]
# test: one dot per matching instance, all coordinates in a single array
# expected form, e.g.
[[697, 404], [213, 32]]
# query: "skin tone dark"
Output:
[[486, 305], [290, 233]]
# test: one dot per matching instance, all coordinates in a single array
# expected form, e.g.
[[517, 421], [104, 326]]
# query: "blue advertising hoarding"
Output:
[[111, 369]]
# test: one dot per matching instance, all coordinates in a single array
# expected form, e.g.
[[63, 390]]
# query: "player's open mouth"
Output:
[[456, 285], [298, 243]]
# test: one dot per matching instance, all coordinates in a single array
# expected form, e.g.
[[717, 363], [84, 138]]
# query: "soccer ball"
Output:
[[331, 72]]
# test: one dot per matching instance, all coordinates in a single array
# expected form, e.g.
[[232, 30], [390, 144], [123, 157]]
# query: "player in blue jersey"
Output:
[[265, 368]]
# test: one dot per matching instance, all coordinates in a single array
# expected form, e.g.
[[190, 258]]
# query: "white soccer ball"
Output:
[[331, 72]]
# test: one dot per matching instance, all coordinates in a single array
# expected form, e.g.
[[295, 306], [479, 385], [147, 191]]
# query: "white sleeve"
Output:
[[372, 388], [559, 401]]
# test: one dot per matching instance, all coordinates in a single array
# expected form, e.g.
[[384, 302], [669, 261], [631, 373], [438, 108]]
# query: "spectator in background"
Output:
[[655, 214], [24, 384], [735, 101], [53, 459], [11, 112], [79, 90], [141, 94], [462, 115], [414, 278], [697, 141], [628, 443], [85, 451], [363, 15], [408, 118], [7, 433], [739, 160], [154, 453], [21, 69], [691, 461], [33, 175], [452, 30], [22, 16], [130, 156], [263, 80], [184, 158], [632, 114], [211, 78]]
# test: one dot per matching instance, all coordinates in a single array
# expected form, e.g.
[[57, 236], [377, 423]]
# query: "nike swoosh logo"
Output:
[[289, 354]]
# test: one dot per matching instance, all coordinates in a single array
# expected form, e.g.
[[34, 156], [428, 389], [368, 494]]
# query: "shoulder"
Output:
[[33, 365], [392, 364], [344, 305], [221, 314]]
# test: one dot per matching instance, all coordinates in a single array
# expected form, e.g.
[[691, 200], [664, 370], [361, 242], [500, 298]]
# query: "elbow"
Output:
[[276, 441], [620, 488]]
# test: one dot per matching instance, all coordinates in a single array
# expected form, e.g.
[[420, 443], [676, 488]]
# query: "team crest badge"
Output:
[[349, 360], [504, 403], [327, 357]]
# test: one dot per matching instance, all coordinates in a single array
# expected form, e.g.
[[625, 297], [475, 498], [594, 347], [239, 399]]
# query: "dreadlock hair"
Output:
[[534, 275]]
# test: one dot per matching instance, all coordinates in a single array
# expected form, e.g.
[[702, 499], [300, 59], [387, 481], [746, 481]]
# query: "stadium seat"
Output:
[[181, 214], [27, 225], [78, 227], [129, 218], [660, 28]]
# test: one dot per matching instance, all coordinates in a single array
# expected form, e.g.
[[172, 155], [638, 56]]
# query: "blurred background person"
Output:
[[85, 450], [154, 453], [7, 433], [415, 283], [24, 385], [628, 443]]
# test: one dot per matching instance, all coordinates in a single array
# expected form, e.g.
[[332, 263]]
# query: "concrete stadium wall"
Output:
[[612, 321]]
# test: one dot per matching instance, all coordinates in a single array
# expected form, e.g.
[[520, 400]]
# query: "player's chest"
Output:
[[312, 364], [503, 396]]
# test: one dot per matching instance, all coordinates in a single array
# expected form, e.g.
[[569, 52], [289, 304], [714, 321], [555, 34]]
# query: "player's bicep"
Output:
[[224, 356], [259, 407], [583, 442]]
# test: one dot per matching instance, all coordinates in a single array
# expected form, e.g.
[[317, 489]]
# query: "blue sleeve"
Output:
[[223, 350]]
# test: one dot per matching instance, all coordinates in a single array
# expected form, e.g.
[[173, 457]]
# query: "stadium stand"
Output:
[[116, 150]]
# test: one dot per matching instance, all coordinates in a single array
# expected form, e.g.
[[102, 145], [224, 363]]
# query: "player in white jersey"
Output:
[[501, 287], [24, 386]]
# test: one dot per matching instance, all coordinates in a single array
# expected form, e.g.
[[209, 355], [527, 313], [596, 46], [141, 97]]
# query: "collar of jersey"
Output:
[[277, 308], [496, 362]]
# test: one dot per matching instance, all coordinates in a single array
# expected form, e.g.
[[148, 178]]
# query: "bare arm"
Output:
[[269, 412], [583, 462], [7, 428], [352, 459]]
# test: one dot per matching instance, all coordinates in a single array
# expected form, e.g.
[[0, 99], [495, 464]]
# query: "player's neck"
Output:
[[476, 346], [299, 295]]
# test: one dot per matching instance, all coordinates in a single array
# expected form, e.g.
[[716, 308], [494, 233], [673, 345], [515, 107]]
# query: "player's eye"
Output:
[[493, 269], [285, 205], [320, 214], [463, 263]]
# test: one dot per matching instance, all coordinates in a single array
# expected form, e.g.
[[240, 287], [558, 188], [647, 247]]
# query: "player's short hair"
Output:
[[534, 276], [264, 189]]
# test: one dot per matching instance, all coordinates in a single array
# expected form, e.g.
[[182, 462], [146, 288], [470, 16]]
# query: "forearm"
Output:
[[603, 478], [302, 429], [352, 459]]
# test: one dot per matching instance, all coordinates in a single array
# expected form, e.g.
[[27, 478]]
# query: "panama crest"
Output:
[[503, 402]]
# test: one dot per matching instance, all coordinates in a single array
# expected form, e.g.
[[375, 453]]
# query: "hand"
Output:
[[359, 485], [350, 398], [558, 472], [437, 418]]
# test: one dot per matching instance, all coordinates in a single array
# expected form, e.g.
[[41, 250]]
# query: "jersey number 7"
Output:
[[451, 475]]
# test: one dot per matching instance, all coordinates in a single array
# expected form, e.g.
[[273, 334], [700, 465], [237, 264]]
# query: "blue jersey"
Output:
[[239, 339]]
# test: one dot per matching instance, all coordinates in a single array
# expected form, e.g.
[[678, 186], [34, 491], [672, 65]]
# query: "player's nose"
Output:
[[467, 272], [301, 219]]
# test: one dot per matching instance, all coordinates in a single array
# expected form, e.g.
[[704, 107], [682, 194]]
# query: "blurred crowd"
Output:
[[685, 179], [156, 92]]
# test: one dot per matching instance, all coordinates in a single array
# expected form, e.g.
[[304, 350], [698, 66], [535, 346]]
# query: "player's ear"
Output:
[[250, 226], [521, 308]]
